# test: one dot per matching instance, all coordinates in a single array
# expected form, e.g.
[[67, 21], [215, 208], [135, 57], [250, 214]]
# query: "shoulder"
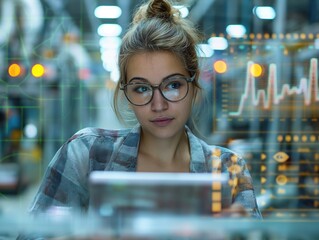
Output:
[[211, 157], [212, 150], [90, 136], [224, 156], [217, 155], [94, 142], [93, 133], [93, 148]]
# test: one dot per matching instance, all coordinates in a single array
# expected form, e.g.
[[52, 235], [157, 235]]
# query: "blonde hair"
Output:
[[158, 26]]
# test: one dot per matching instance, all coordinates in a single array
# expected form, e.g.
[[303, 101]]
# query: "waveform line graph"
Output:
[[266, 99]]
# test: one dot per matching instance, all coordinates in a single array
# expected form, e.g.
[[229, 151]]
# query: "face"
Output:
[[160, 118]]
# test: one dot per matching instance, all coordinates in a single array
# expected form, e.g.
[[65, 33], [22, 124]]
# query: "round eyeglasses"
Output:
[[173, 89]]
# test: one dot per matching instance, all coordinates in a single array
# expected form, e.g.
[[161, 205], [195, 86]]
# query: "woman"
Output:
[[159, 79]]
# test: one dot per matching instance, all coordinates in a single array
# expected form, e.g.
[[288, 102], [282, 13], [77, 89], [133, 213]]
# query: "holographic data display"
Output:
[[265, 105]]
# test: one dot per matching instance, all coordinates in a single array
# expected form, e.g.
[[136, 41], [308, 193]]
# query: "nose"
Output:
[[158, 103]]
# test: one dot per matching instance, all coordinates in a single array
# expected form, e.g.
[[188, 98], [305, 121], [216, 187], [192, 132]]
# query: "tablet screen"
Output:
[[113, 193]]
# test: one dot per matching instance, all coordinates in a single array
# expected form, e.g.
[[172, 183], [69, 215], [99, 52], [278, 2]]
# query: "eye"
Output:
[[140, 87], [174, 84]]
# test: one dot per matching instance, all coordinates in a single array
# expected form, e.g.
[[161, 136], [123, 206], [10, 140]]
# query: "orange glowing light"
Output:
[[216, 196], [220, 66], [281, 180], [216, 186], [256, 70], [216, 207], [14, 70], [38, 70]]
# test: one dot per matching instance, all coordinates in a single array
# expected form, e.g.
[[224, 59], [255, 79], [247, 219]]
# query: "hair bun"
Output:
[[156, 9]]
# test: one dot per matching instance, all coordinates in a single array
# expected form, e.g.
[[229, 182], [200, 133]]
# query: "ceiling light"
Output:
[[204, 50], [236, 30], [218, 43], [109, 30], [30, 130], [115, 75], [183, 10], [264, 12], [110, 42], [110, 12], [109, 59]]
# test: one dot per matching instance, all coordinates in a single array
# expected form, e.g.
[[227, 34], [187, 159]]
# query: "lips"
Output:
[[162, 121]]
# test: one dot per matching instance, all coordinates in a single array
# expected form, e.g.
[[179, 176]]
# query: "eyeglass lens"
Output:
[[140, 93]]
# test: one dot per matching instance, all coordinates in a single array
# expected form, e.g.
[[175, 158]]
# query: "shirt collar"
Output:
[[128, 151], [125, 158], [198, 160]]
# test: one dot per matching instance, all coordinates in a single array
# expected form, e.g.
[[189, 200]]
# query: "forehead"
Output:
[[154, 65]]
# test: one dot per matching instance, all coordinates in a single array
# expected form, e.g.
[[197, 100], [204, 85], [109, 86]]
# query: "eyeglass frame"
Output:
[[157, 86]]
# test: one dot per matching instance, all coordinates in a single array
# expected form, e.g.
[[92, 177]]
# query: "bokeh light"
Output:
[[256, 70], [14, 70], [220, 66], [38, 70]]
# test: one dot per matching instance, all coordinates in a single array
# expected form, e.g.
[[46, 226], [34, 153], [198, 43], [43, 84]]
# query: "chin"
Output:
[[163, 133]]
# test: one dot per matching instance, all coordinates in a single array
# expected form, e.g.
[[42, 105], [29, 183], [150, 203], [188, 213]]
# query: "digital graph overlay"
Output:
[[266, 99]]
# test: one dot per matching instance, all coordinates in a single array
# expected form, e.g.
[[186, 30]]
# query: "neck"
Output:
[[165, 151]]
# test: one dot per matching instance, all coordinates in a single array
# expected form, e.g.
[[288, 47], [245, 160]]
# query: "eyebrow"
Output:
[[145, 80]]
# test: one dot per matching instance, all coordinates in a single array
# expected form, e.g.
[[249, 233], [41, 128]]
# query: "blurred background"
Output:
[[58, 70]]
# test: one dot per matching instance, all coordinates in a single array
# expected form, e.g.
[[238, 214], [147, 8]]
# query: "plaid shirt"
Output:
[[65, 182]]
